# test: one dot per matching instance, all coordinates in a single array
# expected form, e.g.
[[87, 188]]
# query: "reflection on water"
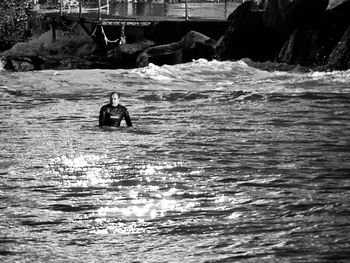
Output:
[[226, 163]]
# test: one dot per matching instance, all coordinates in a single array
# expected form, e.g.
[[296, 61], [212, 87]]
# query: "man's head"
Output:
[[114, 98]]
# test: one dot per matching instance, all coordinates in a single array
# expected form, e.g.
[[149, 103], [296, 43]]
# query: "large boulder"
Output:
[[247, 37], [193, 45], [283, 16], [126, 54], [196, 45], [311, 43], [302, 47], [170, 54], [340, 57]]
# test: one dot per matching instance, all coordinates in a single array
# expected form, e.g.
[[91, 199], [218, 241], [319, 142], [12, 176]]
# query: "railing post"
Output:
[[99, 10], [61, 7], [80, 8], [186, 10], [108, 7]]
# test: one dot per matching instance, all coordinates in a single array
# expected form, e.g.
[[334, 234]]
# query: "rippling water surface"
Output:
[[226, 162]]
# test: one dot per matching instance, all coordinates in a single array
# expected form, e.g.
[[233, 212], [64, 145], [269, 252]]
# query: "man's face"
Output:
[[115, 100]]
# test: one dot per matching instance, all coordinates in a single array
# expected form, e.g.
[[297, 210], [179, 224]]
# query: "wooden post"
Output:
[[53, 30], [186, 10], [122, 35], [225, 9], [108, 7], [99, 10]]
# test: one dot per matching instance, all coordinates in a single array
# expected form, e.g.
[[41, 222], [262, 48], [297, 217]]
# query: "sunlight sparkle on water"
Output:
[[81, 170]]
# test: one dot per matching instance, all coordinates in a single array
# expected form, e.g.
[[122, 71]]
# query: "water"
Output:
[[226, 162]]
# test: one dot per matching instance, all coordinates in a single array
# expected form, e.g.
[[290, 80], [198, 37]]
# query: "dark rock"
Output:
[[192, 38], [198, 51], [283, 16], [196, 45], [312, 43], [127, 54], [340, 57], [168, 58], [22, 63], [135, 48], [342, 11], [170, 54], [300, 48], [193, 45], [241, 11], [164, 32], [247, 37]]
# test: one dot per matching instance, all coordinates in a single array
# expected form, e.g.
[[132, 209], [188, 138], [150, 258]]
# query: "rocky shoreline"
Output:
[[309, 33]]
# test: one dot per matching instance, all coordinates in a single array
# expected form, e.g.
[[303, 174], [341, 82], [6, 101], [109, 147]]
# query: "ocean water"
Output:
[[227, 162]]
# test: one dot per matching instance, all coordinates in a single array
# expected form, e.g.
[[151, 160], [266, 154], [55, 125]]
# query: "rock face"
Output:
[[247, 37], [283, 16], [340, 56], [311, 43], [301, 32], [170, 54]]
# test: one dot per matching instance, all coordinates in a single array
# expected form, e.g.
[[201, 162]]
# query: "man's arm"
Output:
[[102, 117], [127, 118]]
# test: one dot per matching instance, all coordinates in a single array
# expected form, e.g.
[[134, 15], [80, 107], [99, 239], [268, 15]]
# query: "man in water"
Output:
[[113, 113]]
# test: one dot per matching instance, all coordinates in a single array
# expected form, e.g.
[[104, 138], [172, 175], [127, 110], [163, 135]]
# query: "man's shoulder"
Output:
[[122, 107], [106, 106]]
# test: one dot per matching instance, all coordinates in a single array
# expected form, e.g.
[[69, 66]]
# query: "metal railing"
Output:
[[64, 3], [183, 8], [70, 3]]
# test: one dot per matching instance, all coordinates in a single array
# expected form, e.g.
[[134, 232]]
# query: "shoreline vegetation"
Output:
[[308, 33]]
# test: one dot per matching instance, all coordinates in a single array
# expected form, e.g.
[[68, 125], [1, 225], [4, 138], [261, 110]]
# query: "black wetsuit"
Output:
[[112, 116]]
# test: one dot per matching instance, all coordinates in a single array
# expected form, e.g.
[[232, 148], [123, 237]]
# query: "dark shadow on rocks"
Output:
[[248, 37], [283, 16], [340, 57], [312, 43]]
